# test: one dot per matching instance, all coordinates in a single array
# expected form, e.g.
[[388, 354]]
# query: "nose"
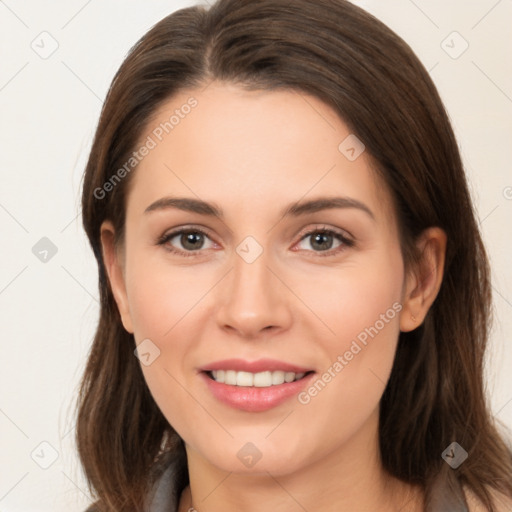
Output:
[[253, 300]]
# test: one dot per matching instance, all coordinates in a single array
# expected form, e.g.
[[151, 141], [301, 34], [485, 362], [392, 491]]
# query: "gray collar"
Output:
[[165, 495]]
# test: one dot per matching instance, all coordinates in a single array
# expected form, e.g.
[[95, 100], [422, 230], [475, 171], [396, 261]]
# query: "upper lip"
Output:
[[260, 365]]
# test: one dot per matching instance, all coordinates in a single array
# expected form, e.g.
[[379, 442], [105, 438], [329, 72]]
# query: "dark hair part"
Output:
[[342, 55]]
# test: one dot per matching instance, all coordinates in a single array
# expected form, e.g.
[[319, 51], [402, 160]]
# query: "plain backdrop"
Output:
[[57, 61]]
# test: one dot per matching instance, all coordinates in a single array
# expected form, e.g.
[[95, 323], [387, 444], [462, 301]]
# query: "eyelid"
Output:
[[323, 227], [180, 229]]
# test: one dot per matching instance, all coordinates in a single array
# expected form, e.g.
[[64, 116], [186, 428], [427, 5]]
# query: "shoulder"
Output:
[[502, 502]]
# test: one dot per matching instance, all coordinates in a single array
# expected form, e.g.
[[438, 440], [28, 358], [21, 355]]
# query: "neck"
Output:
[[348, 479]]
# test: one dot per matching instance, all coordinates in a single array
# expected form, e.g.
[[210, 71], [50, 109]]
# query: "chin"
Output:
[[247, 458]]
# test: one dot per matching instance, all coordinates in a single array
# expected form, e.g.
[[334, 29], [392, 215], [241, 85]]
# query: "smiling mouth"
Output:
[[259, 380]]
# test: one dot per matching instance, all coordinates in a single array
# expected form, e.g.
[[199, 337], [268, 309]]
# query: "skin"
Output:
[[252, 154]]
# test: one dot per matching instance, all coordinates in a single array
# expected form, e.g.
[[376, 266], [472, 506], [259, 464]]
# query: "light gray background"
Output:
[[49, 108]]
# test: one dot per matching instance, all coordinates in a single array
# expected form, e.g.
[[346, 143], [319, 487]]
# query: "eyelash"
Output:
[[346, 242]]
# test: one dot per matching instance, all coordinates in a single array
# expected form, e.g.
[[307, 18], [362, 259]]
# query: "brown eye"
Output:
[[322, 241], [189, 241]]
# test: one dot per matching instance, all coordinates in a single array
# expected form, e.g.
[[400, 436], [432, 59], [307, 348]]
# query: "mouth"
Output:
[[254, 386], [263, 379]]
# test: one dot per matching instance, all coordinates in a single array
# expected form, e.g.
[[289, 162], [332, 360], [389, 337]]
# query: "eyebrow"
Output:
[[296, 209]]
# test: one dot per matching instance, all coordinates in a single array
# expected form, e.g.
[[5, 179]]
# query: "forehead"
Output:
[[252, 150]]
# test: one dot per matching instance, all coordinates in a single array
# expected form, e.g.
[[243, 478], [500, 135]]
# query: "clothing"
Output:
[[165, 496]]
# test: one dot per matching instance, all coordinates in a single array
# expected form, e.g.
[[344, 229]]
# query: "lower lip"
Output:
[[253, 399]]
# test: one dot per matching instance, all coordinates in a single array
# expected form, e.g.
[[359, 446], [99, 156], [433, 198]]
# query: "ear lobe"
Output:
[[115, 272], [422, 284]]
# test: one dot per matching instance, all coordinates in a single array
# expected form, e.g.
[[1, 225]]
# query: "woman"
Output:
[[294, 292]]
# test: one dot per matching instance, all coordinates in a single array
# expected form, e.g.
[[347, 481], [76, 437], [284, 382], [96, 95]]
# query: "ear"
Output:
[[423, 282], [114, 266]]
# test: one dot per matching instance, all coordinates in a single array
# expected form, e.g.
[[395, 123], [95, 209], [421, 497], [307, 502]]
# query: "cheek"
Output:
[[359, 302], [361, 307], [161, 296], [164, 302], [363, 311], [367, 308]]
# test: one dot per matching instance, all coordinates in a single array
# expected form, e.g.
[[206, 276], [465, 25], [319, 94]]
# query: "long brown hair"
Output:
[[344, 56]]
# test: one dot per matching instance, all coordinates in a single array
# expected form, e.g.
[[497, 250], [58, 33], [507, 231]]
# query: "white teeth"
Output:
[[230, 377], [262, 379], [277, 378], [259, 380], [289, 377], [244, 379]]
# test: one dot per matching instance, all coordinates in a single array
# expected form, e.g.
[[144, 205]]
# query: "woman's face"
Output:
[[299, 273]]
